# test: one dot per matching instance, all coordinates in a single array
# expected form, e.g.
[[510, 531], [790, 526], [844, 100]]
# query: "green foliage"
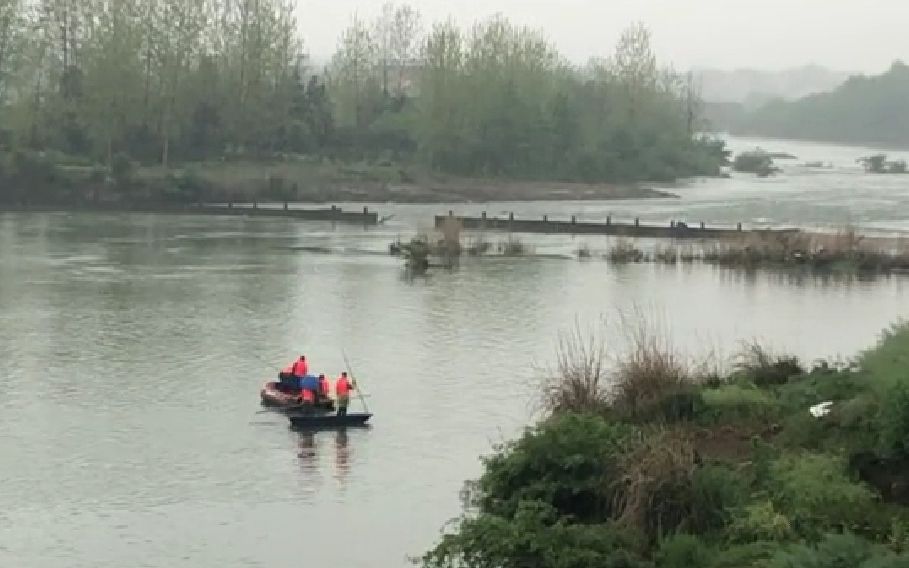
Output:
[[814, 491], [894, 419], [535, 537], [888, 361], [760, 521], [580, 490], [683, 551], [764, 368], [164, 82], [736, 402], [837, 551], [863, 110], [568, 462], [716, 491]]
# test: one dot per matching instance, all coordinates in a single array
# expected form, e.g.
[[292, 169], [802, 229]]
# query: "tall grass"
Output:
[[647, 380], [579, 382], [764, 368], [648, 375]]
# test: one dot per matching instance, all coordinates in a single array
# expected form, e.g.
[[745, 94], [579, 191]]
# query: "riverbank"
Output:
[[50, 178], [649, 462], [324, 181]]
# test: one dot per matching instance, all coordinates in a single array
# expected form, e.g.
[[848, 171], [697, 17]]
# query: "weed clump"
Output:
[[624, 251], [764, 368]]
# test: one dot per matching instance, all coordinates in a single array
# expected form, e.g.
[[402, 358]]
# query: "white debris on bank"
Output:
[[822, 409]]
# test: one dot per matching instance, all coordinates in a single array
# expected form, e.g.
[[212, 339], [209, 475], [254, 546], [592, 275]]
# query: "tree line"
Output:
[[863, 110], [165, 82]]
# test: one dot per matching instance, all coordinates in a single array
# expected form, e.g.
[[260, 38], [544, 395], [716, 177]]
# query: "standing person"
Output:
[[324, 388], [343, 386]]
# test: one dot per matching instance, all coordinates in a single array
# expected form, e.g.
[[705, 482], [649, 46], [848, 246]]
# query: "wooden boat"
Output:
[[274, 396], [309, 421]]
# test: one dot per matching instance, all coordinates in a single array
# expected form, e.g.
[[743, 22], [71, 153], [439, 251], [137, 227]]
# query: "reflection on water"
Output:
[[312, 443], [342, 455], [308, 453]]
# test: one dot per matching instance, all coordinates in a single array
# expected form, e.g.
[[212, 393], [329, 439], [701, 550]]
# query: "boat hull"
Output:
[[308, 421], [273, 397]]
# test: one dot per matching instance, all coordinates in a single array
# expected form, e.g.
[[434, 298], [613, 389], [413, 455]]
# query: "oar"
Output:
[[356, 384]]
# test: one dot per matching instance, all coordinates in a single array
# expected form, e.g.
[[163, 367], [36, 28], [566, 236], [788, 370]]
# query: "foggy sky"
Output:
[[847, 35]]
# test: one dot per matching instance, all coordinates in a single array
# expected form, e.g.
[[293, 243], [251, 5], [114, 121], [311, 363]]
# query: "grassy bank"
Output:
[[646, 462], [56, 178], [326, 180]]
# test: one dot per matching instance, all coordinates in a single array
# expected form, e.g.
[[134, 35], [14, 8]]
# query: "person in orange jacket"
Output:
[[300, 367], [343, 386], [324, 388]]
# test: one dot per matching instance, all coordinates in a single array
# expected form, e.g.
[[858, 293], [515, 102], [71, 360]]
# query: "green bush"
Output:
[[748, 555], [715, 492], [888, 361], [535, 538], [737, 402], [766, 369], [815, 492], [568, 462], [760, 521], [838, 551], [683, 551], [893, 420]]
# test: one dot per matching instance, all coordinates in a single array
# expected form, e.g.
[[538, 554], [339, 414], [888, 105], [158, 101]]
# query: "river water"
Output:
[[132, 348]]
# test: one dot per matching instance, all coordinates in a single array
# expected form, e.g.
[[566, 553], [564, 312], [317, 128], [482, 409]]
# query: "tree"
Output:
[[405, 44], [355, 87]]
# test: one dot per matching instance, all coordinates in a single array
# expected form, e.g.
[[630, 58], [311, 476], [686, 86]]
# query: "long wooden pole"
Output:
[[356, 384]]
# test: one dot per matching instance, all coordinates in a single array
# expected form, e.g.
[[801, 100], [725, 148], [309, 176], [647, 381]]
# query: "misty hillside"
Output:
[[753, 87], [864, 110]]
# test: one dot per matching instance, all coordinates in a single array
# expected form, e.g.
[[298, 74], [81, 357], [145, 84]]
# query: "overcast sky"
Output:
[[847, 35]]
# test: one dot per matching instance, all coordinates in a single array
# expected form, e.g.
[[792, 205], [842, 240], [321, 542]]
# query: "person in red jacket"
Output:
[[324, 388], [343, 386], [300, 367]]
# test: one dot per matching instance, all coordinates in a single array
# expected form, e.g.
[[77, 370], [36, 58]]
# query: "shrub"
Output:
[[815, 492], [683, 551], [624, 251], [569, 462], [654, 496], [578, 383], [888, 361], [837, 551], [760, 521], [765, 368], [647, 376], [666, 255], [748, 555], [715, 492], [893, 419], [535, 537], [736, 402]]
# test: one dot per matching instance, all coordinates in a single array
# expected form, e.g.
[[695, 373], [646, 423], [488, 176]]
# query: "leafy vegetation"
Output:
[[158, 84], [756, 162], [596, 485], [863, 110]]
